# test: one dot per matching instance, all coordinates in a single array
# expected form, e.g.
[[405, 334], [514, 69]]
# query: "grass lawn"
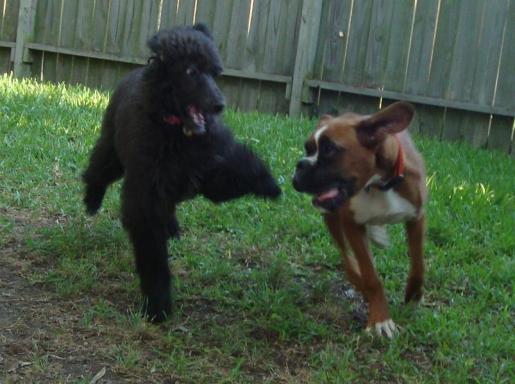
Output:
[[260, 292]]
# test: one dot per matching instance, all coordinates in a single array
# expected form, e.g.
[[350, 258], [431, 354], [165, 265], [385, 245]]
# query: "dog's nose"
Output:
[[217, 108], [302, 164]]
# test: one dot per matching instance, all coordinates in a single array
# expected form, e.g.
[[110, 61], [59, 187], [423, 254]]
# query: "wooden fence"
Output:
[[455, 59]]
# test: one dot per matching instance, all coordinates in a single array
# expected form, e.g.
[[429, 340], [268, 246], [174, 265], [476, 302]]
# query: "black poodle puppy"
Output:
[[161, 132]]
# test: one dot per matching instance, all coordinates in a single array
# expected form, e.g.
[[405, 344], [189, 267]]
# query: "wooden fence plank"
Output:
[[2, 19], [462, 69], [265, 99], [8, 29], [345, 102], [272, 40], [19, 54], [487, 54], [332, 38], [306, 47], [288, 38], [9, 22], [505, 96], [250, 89], [429, 120], [377, 44], [206, 12], [474, 128], [452, 126], [237, 36], [289, 22], [82, 40], [260, 19], [168, 13], [113, 43], [500, 133], [66, 38], [443, 48], [185, 12], [221, 26], [5, 60], [398, 45], [98, 33], [49, 36], [357, 46], [420, 53]]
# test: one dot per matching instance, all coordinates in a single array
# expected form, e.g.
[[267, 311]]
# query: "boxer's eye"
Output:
[[328, 148], [310, 148]]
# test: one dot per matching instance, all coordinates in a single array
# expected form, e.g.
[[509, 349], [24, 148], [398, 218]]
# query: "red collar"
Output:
[[172, 120]]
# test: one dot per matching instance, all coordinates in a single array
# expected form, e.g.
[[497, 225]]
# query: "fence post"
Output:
[[306, 49], [26, 17]]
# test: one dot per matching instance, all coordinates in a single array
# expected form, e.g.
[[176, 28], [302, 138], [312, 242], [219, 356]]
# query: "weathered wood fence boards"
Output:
[[454, 59], [8, 24], [97, 42], [457, 55]]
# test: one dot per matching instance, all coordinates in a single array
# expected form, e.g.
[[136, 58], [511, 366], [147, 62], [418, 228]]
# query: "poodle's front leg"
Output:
[[238, 173]]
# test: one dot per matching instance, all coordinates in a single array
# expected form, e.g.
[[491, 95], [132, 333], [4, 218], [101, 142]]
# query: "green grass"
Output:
[[259, 287]]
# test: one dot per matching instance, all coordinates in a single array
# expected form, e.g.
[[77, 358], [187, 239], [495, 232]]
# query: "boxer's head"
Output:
[[341, 153]]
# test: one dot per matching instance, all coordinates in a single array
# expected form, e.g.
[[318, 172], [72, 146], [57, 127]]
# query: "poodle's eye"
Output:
[[191, 71]]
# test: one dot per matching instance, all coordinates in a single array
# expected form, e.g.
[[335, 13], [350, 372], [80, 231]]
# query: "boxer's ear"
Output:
[[393, 119], [324, 119]]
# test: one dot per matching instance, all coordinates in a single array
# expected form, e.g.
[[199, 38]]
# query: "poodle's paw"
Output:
[[384, 328], [174, 231], [267, 187], [93, 201], [158, 308]]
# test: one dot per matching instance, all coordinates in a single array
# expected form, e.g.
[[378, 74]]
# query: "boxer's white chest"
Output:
[[381, 207]]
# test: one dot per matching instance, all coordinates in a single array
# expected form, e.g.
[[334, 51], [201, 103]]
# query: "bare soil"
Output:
[[41, 339]]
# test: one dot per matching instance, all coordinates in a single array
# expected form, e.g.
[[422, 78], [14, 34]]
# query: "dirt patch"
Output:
[[49, 338], [41, 339]]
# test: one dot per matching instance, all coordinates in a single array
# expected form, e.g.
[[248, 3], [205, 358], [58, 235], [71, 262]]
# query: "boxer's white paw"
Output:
[[385, 328]]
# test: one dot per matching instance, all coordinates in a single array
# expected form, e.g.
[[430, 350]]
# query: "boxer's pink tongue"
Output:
[[330, 194]]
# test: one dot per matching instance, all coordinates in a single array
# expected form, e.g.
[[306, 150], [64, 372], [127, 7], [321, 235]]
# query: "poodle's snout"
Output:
[[217, 108], [215, 99]]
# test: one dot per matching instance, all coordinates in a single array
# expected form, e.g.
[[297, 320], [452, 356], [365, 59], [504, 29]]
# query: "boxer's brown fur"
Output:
[[364, 172]]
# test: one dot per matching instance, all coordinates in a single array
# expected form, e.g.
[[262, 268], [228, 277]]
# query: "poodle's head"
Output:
[[183, 67]]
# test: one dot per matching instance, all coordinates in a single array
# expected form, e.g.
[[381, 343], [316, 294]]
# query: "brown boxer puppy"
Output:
[[364, 172]]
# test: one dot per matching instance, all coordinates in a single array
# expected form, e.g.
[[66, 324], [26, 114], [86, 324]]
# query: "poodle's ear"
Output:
[[156, 45], [201, 27]]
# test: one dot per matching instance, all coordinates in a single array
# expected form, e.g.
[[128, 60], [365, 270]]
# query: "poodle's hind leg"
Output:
[[147, 226], [104, 168], [174, 231]]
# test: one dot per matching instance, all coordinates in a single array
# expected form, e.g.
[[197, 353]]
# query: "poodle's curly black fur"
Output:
[[162, 133]]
